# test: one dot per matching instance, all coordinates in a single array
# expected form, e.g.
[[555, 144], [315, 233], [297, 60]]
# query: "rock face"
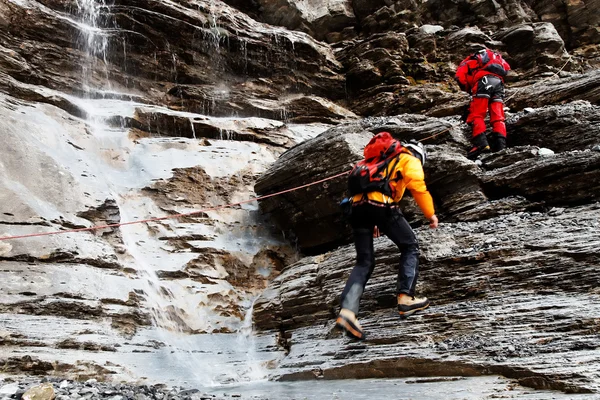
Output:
[[511, 295], [312, 215], [98, 129], [511, 271], [461, 190], [164, 112], [206, 58], [325, 21], [576, 21]]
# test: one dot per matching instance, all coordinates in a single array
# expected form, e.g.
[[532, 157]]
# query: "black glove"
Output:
[[465, 113], [461, 86]]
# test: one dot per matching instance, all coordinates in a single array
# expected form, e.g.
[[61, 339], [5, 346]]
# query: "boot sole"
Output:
[[404, 314], [350, 328]]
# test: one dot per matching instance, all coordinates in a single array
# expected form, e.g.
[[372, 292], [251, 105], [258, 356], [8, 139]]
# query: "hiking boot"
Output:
[[480, 145], [347, 322], [408, 305], [498, 142]]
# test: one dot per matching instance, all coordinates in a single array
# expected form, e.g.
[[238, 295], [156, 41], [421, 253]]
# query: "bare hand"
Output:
[[433, 222], [376, 232]]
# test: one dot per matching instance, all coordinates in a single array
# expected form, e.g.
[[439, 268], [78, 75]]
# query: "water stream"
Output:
[[175, 306]]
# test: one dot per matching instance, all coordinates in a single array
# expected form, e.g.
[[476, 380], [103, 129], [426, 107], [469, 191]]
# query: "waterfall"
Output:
[[256, 371], [95, 43], [174, 306]]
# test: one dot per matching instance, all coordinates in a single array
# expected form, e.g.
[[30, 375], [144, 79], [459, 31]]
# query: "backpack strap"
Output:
[[393, 162]]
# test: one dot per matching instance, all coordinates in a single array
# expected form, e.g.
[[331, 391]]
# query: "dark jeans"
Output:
[[392, 223]]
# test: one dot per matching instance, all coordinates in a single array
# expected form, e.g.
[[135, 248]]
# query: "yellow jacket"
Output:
[[407, 174]]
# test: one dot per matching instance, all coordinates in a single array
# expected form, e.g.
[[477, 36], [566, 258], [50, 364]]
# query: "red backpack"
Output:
[[372, 173], [492, 62]]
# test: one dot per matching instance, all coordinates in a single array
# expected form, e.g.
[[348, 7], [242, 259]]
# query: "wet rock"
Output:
[[533, 45], [320, 20], [250, 129], [146, 59], [561, 128], [477, 285], [83, 163]]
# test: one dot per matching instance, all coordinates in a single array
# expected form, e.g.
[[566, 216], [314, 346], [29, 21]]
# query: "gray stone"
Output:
[[316, 18], [571, 126], [545, 152], [431, 29], [9, 389], [523, 260]]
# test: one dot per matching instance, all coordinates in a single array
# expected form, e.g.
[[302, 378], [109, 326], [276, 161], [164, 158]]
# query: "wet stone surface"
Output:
[[514, 295], [452, 387], [94, 390], [76, 154]]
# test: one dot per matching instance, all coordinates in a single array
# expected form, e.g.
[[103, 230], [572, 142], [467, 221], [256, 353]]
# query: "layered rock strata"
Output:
[[514, 295], [511, 271], [461, 189]]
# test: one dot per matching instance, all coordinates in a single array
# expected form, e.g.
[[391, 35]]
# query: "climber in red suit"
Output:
[[482, 76]]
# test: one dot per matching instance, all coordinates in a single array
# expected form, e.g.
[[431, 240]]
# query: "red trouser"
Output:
[[487, 94]]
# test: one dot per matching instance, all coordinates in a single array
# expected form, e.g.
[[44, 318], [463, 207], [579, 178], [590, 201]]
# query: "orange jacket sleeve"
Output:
[[414, 179]]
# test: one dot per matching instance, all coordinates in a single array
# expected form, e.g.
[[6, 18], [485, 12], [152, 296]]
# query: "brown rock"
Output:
[[44, 391]]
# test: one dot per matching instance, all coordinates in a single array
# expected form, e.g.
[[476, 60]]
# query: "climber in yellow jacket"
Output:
[[377, 185]]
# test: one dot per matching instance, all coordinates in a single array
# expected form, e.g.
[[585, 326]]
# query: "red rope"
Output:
[[93, 228], [97, 227]]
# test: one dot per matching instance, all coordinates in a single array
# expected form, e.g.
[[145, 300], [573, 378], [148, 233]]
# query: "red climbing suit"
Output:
[[482, 75]]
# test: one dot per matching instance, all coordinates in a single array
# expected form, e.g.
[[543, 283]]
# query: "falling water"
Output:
[[193, 128], [164, 315], [95, 42], [205, 360], [246, 339]]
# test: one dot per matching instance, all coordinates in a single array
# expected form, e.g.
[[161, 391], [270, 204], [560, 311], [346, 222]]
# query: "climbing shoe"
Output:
[[480, 145], [408, 305], [497, 142], [347, 322]]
